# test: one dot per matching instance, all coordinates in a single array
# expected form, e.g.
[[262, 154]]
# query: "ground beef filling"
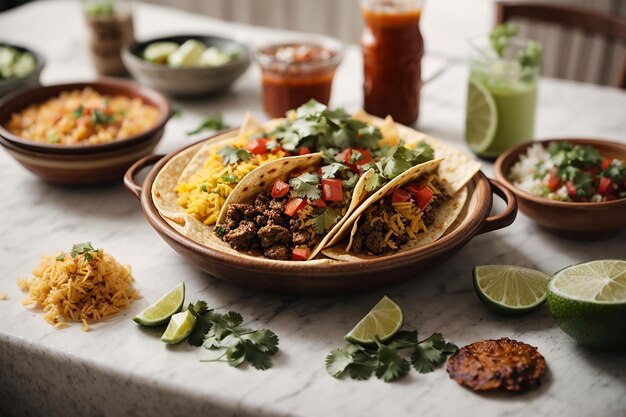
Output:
[[264, 226], [370, 238]]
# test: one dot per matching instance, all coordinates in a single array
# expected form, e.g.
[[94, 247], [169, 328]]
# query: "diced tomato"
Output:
[[400, 195], [606, 162], [605, 186], [294, 205], [319, 203], [571, 189], [304, 151], [280, 188], [421, 193], [277, 149], [554, 181], [345, 155], [332, 189], [300, 254], [257, 146], [366, 157]]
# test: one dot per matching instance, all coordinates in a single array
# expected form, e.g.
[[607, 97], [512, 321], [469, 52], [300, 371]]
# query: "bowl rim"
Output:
[[514, 152], [244, 59], [40, 63], [146, 94], [459, 236]]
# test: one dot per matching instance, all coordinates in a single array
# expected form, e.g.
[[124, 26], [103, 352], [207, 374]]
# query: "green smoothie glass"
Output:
[[502, 95]]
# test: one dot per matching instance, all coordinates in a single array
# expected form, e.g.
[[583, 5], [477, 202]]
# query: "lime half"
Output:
[[164, 308], [382, 322], [588, 302], [510, 289], [158, 52], [181, 325], [481, 120]]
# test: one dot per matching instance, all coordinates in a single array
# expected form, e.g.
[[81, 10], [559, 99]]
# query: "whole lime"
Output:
[[588, 302]]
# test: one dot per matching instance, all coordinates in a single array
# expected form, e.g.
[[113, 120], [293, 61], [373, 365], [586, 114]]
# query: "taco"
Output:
[[411, 212], [289, 209]]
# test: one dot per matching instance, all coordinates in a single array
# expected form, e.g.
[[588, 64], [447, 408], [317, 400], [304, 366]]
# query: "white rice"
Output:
[[522, 174]]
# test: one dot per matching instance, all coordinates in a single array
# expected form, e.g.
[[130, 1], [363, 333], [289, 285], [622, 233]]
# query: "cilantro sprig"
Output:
[[325, 220], [398, 160], [82, 248], [232, 155], [213, 122], [306, 186], [391, 360], [228, 341]]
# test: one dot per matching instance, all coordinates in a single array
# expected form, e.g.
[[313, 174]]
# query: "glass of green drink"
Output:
[[502, 92]]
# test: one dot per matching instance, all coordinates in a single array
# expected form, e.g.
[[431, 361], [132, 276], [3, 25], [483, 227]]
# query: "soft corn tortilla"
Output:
[[446, 214], [263, 178]]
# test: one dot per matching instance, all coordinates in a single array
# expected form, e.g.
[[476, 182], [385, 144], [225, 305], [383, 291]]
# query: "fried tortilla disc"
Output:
[[492, 364]]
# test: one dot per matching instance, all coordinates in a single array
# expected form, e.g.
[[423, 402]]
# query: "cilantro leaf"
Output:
[[330, 155], [213, 122], [330, 171], [203, 324], [364, 363], [264, 340], [203, 188], [325, 220], [232, 155], [431, 353], [350, 180], [374, 182], [305, 186], [82, 248], [390, 365], [337, 361], [61, 257], [310, 108], [79, 111]]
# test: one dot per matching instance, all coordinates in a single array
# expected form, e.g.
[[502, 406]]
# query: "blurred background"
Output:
[[569, 53]]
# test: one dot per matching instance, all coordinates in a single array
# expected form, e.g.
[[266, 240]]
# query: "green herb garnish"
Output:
[[61, 257], [203, 187], [529, 58], [330, 171], [213, 122], [232, 155], [391, 360], [220, 230], [305, 186], [228, 178], [325, 220], [80, 110], [99, 118], [82, 248], [177, 111], [224, 336]]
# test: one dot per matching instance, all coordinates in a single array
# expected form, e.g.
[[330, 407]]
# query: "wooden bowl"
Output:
[[335, 277], [187, 81], [82, 164], [569, 219]]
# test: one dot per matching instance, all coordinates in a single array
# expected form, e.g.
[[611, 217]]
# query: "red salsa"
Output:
[[295, 73], [392, 52]]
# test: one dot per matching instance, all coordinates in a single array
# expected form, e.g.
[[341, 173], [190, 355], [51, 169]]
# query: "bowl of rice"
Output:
[[558, 206], [82, 133]]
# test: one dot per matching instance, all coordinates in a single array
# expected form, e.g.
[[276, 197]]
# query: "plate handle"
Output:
[[504, 219], [129, 178]]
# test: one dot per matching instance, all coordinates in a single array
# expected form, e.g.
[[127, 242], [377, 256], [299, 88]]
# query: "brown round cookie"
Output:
[[492, 364]]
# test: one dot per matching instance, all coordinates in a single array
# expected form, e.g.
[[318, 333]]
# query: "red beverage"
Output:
[[392, 53], [296, 73]]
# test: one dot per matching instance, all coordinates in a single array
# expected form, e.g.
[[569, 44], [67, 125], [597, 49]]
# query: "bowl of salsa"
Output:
[[295, 72], [572, 187]]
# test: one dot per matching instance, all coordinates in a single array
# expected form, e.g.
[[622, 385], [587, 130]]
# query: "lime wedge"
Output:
[[382, 322], [158, 52], [187, 55], [588, 302], [510, 289], [166, 306], [481, 121], [214, 57], [181, 325]]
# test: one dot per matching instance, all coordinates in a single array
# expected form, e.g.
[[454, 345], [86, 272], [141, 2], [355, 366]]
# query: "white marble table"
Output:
[[120, 369]]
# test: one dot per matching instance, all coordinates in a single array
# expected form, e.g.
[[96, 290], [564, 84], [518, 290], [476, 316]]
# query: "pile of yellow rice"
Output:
[[204, 194], [75, 289]]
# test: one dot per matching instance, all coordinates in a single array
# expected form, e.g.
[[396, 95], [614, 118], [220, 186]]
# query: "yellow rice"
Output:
[[73, 289], [54, 121], [206, 205]]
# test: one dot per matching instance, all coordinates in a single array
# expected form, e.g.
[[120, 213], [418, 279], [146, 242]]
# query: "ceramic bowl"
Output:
[[569, 219], [27, 81], [188, 81], [81, 164], [328, 278]]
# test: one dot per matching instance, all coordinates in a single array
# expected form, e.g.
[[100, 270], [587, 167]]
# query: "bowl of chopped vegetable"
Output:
[[19, 68], [82, 133], [187, 65], [571, 187]]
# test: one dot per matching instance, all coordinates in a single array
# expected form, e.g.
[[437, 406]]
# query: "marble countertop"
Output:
[[119, 368]]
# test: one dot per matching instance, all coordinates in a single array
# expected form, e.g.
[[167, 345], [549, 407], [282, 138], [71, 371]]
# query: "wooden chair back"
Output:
[[572, 19]]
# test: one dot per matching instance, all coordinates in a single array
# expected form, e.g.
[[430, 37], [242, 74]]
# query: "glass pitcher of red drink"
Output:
[[392, 53]]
